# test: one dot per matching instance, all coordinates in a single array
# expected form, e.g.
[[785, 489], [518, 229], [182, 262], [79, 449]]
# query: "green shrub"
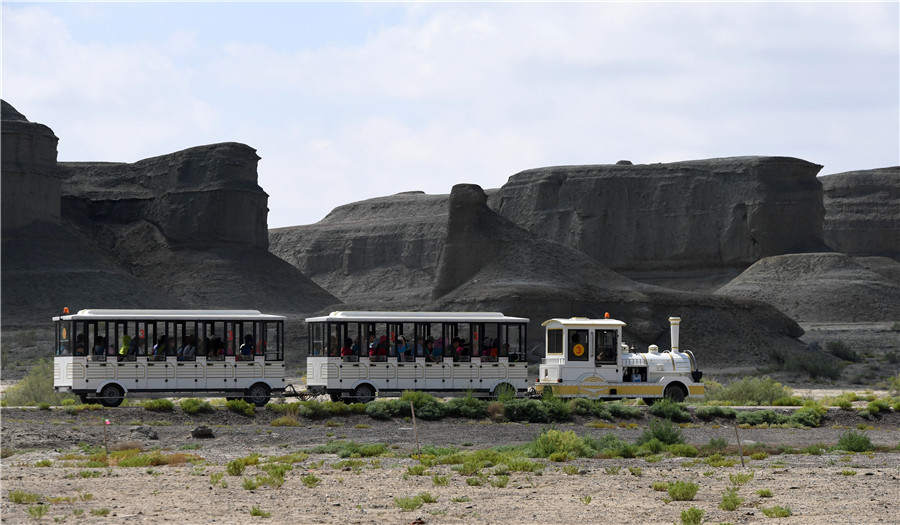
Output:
[[776, 512], [556, 442], [531, 410], [158, 405], [808, 416], [709, 412], [761, 417], [611, 446], [730, 499], [667, 409], [682, 450], [692, 516], [853, 441], [663, 430], [619, 411], [788, 401], [557, 409], [683, 490], [878, 406], [256, 511], [387, 409], [241, 407], [717, 443], [427, 406], [35, 388], [193, 405], [468, 407], [840, 350], [749, 391], [346, 449]]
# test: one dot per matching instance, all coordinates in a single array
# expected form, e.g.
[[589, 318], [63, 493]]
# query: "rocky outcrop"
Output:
[[823, 287], [192, 224], [200, 197], [862, 212], [489, 263], [30, 187], [381, 252], [185, 230], [711, 213]]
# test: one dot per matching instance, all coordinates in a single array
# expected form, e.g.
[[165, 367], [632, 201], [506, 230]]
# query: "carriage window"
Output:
[[317, 339], [606, 342], [578, 345], [554, 341]]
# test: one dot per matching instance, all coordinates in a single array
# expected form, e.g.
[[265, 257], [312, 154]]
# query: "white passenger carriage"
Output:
[[103, 355], [586, 358], [358, 355]]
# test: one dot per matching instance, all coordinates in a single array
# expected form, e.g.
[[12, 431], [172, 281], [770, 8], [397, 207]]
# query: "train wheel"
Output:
[[674, 393], [364, 393], [335, 396], [258, 394], [111, 395]]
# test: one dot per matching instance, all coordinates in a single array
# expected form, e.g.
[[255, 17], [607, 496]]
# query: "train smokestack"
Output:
[[675, 321]]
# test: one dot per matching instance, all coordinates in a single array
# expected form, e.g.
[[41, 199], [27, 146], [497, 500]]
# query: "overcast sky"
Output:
[[350, 101]]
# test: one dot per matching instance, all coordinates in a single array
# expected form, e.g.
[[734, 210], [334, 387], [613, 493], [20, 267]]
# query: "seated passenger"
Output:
[[247, 348], [402, 349], [188, 349], [347, 350], [434, 354], [99, 349], [79, 345], [126, 346]]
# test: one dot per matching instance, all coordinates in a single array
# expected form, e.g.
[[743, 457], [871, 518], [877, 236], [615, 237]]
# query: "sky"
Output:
[[349, 101]]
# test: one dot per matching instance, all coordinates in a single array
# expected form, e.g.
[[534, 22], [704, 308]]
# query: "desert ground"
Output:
[[832, 487]]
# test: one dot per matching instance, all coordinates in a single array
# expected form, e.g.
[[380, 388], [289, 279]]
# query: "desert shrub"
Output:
[[285, 421], [531, 410], [193, 405], [716, 443], [580, 406], [554, 442], [808, 416], [557, 409], [667, 409], [346, 449], [788, 401], [663, 430], [611, 446], [683, 490], [692, 516], [730, 499], [707, 413], [853, 441], [776, 512], [761, 417], [496, 410], [840, 350], [158, 405], [427, 406], [36, 388], [619, 411], [878, 406], [682, 450], [469, 407], [241, 407], [814, 367], [749, 391], [387, 409]]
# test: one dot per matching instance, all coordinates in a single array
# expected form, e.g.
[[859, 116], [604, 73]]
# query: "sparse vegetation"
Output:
[[193, 405], [749, 391], [853, 441], [683, 490], [241, 407], [36, 388], [776, 512]]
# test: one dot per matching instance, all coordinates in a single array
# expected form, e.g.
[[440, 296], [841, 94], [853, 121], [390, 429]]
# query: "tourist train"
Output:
[[104, 355]]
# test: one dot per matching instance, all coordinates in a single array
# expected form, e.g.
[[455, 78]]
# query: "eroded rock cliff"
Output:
[[862, 212], [713, 213]]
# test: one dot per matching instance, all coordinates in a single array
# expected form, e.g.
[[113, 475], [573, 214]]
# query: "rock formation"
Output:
[[30, 187], [822, 287], [489, 263], [712, 213], [185, 230], [862, 212], [380, 252]]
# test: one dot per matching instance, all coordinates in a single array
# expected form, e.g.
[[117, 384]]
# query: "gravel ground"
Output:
[[827, 488]]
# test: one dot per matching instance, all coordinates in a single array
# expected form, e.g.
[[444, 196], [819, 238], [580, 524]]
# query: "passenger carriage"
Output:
[[104, 355], [358, 355]]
